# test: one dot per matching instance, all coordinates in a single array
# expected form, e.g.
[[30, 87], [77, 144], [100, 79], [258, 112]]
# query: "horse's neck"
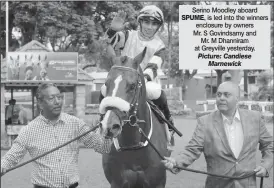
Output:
[[144, 114], [143, 107]]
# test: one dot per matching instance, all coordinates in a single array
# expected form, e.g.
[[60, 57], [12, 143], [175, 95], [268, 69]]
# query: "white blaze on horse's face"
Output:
[[111, 122], [16, 33], [114, 92], [104, 122], [117, 82], [118, 91]]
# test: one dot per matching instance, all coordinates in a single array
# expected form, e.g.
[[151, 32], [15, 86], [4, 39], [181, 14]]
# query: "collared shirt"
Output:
[[60, 168], [234, 133]]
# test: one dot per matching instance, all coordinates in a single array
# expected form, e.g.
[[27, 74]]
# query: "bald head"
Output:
[[231, 87], [227, 98]]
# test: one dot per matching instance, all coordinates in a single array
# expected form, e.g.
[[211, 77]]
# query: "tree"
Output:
[[236, 73], [265, 91], [69, 26], [59, 23], [3, 29], [171, 38], [103, 13]]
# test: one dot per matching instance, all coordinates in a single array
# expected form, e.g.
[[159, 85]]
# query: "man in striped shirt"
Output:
[[50, 129]]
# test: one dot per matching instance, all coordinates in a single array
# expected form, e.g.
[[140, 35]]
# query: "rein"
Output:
[[50, 151], [198, 171], [133, 120], [130, 117]]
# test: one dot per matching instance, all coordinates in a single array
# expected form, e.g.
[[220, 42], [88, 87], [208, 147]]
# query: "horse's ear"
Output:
[[139, 58]]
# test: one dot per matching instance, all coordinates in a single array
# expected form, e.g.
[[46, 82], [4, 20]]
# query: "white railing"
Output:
[[262, 104], [206, 103]]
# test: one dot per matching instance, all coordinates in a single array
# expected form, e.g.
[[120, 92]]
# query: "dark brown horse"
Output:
[[132, 162]]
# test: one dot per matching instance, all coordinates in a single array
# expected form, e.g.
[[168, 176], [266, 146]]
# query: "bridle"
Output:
[[130, 117]]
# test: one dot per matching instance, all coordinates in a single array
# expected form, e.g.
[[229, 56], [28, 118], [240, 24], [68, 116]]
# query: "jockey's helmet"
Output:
[[151, 12]]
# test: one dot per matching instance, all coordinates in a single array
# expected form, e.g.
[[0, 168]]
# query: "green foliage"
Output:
[[71, 26], [81, 24], [2, 28], [103, 14], [265, 91]]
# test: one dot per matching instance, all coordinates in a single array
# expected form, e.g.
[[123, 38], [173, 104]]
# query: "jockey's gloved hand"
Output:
[[118, 22], [151, 71], [170, 119]]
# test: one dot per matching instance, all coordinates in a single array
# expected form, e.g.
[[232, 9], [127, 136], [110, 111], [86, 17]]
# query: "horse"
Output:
[[132, 162]]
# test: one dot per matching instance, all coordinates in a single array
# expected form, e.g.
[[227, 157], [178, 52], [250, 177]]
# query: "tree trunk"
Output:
[[219, 77], [246, 84], [235, 76], [169, 43]]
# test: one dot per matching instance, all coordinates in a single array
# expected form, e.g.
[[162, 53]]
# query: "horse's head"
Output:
[[121, 94]]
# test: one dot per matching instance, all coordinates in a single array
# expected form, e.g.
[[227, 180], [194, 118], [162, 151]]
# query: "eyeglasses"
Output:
[[226, 94], [53, 97]]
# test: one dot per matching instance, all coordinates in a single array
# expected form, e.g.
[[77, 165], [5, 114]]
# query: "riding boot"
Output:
[[161, 102]]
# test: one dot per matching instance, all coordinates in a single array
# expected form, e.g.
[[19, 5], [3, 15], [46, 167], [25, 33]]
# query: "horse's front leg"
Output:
[[114, 185], [131, 179], [156, 176]]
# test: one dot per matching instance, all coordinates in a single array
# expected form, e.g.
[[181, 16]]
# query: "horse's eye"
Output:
[[132, 86]]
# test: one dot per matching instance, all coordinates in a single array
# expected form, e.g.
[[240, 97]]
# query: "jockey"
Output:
[[131, 42]]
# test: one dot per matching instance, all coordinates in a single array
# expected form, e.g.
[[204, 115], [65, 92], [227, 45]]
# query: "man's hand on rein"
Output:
[[170, 164]]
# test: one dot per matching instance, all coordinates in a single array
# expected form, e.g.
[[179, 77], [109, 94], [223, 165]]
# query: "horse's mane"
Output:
[[140, 71]]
